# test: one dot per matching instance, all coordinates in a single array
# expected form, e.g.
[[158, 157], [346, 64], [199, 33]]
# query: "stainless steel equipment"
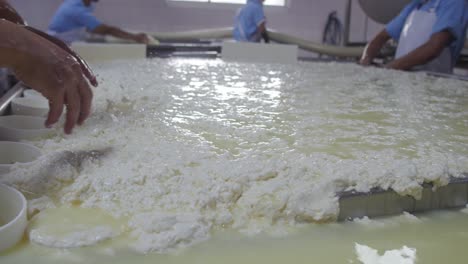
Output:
[[382, 11]]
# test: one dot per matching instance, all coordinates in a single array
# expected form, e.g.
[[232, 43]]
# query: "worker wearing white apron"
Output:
[[75, 18], [430, 35], [249, 25]]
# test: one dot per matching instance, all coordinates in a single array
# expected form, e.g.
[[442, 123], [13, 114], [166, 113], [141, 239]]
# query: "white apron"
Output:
[[416, 32], [70, 36]]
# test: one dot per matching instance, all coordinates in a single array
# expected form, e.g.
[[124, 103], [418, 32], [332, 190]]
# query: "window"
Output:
[[267, 2]]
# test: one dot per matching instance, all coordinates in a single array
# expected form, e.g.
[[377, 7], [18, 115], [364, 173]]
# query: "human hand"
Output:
[[9, 13], [84, 66], [56, 74]]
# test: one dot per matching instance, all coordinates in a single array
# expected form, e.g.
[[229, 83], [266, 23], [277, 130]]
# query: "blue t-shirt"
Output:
[[72, 15], [247, 21], [452, 15]]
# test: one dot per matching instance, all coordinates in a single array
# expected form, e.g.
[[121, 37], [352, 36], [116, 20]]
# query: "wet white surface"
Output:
[[202, 145], [434, 238]]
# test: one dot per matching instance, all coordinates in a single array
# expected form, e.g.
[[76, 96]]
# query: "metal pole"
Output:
[[366, 28], [347, 23]]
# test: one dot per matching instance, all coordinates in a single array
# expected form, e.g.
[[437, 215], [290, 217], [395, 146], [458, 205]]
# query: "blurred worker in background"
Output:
[[75, 17], [47, 65], [430, 35], [250, 23]]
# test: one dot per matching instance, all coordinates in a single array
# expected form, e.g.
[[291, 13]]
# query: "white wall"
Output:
[[303, 18]]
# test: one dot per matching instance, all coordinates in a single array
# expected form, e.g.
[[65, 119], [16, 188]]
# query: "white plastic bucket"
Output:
[[13, 152], [13, 217], [30, 106], [17, 127]]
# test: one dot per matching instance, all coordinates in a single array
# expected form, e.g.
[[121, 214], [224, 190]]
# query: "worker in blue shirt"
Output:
[[75, 17], [250, 23], [430, 35]]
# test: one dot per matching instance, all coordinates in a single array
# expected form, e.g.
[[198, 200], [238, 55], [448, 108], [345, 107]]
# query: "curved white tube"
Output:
[[275, 36], [336, 51], [222, 33], [216, 33]]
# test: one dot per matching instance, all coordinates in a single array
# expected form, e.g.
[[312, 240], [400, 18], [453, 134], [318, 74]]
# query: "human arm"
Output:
[[392, 30], [448, 29], [373, 48], [263, 32], [425, 53], [266, 36], [86, 18], [84, 65], [48, 69], [119, 33], [256, 16], [9, 13]]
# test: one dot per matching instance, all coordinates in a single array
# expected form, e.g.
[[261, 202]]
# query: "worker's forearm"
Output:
[[265, 36], [9, 13], [261, 28], [19, 47], [118, 33], [419, 56], [85, 67], [13, 44], [115, 32], [372, 49], [425, 53]]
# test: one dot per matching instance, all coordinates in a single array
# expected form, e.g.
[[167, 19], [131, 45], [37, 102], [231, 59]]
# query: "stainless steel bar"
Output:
[[379, 203], [6, 99], [347, 22]]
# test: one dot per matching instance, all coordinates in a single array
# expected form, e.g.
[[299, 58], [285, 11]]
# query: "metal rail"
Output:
[[6, 99], [379, 202]]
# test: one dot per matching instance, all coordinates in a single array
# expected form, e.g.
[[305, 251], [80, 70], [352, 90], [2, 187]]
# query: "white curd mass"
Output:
[[196, 146]]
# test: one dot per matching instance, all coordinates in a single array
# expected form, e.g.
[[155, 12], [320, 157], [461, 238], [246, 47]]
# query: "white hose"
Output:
[[336, 51], [223, 33], [217, 33], [275, 36]]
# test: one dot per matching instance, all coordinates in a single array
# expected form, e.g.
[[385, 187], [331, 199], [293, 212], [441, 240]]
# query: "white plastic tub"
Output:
[[14, 152], [30, 106], [13, 217], [30, 93], [98, 52], [257, 52], [18, 127]]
